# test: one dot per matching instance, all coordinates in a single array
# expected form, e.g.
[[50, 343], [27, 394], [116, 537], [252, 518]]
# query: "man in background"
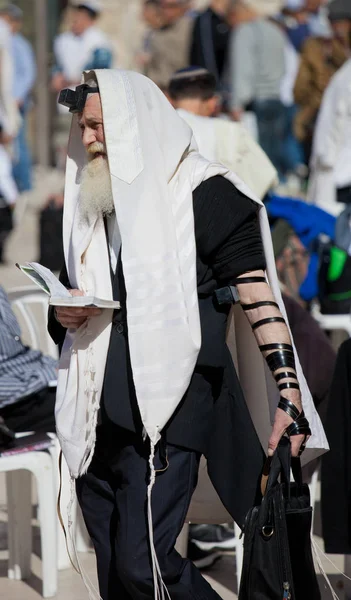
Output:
[[24, 79], [152, 18], [294, 22], [330, 181], [318, 16], [257, 67], [321, 57], [9, 125], [193, 93], [170, 45], [83, 47], [211, 36]]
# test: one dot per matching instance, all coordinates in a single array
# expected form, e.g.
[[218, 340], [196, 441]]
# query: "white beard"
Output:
[[95, 198]]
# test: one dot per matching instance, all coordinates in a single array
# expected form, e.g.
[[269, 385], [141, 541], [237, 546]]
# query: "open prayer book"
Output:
[[58, 294]]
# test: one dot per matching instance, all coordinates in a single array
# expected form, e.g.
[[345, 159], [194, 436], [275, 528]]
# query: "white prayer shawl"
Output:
[[152, 190], [229, 143]]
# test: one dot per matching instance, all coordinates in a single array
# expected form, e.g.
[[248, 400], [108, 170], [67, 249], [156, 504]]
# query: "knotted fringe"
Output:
[[92, 591], [93, 404], [160, 589], [318, 552]]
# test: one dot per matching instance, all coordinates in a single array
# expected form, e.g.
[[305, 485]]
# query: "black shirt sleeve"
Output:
[[227, 230]]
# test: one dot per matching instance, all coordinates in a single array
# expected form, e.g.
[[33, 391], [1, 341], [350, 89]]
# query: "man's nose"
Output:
[[89, 137]]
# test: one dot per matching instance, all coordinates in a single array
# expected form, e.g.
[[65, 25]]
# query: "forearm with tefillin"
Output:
[[274, 341]]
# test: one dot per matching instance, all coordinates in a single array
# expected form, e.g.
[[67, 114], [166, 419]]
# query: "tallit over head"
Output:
[[155, 167]]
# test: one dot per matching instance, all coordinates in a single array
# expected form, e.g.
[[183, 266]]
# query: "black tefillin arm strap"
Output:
[[281, 355], [230, 295]]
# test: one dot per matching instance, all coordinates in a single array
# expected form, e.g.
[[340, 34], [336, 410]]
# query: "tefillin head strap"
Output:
[[75, 99]]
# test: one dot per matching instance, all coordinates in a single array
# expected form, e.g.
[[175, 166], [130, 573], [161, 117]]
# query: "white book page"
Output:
[[56, 288], [35, 277], [84, 302]]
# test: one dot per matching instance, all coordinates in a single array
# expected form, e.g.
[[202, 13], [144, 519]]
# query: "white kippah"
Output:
[[189, 73], [295, 5], [265, 8], [94, 5]]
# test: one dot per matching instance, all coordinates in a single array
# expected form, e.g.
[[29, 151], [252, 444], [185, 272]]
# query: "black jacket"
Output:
[[336, 465], [213, 417], [210, 43]]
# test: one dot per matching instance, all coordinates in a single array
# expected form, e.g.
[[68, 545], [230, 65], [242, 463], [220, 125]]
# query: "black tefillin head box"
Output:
[[75, 99]]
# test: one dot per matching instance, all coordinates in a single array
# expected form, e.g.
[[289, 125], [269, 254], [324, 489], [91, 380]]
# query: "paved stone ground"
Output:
[[23, 246]]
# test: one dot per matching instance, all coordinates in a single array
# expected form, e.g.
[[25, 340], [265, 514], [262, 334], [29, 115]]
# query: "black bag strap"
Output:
[[280, 464]]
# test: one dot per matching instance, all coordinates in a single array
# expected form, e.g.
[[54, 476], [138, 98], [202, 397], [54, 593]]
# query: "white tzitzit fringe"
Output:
[[160, 589], [92, 591], [320, 565], [93, 404], [318, 552]]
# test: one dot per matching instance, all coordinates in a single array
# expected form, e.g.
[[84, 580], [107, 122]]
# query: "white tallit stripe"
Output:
[[160, 277], [160, 324], [169, 293], [154, 369], [134, 264], [154, 309]]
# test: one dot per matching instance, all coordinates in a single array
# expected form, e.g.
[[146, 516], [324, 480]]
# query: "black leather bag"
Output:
[[278, 563]]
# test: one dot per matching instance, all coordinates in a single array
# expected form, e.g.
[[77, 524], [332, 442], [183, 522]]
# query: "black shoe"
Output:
[[202, 559], [213, 537]]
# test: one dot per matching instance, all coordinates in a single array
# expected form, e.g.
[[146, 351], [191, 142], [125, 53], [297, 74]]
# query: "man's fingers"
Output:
[[72, 323], [76, 292], [77, 312], [296, 443], [274, 440]]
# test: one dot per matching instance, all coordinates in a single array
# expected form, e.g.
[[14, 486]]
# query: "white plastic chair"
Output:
[[30, 305], [19, 470], [333, 323]]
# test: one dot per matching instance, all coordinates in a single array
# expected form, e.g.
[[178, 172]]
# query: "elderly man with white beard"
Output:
[[144, 391]]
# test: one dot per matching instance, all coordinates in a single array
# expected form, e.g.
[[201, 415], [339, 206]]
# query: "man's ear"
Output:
[[171, 100], [211, 106]]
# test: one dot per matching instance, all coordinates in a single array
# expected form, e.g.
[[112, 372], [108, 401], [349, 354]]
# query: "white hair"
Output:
[[95, 197]]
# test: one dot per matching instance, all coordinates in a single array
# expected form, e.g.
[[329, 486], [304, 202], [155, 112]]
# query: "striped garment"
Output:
[[22, 371]]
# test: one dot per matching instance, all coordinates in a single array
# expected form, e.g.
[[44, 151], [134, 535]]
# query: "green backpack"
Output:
[[334, 281]]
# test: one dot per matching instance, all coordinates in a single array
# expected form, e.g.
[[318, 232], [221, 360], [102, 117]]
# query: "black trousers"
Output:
[[34, 413], [112, 496]]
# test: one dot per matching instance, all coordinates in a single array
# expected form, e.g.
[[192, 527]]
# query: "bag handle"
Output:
[[280, 464]]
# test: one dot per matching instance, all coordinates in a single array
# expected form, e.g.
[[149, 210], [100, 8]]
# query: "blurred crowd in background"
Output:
[[266, 88], [280, 68]]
